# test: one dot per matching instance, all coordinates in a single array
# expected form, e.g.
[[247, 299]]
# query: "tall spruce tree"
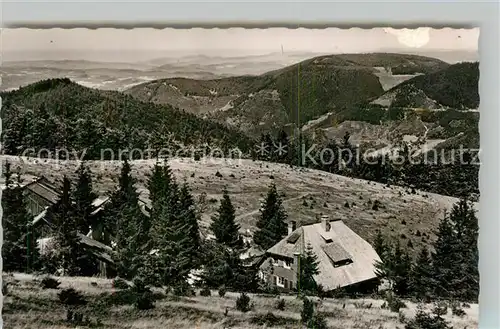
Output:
[[20, 250], [131, 225], [396, 268], [466, 226], [421, 275], [444, 258], [156, 187], [379, 245], [189, 216], [175, 248], [63, 216], [175, 231], [403, 274], [271, 224], [455, 257], [84, 196], [308, 268], [223, 267], [164, 196], [224, 227]]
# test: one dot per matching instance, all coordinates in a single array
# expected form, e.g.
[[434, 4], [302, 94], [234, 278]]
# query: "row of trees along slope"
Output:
[[456, 86], [59, 114], [163, 248]]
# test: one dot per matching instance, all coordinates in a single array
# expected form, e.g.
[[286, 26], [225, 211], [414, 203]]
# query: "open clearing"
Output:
[[29, 306], [307, 193]]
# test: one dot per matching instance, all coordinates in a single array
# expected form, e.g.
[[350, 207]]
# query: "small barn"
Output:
[[40, 194], [345, 259]]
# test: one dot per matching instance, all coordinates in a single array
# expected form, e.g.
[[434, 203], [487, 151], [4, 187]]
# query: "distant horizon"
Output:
[[144, 44], [108, 56]]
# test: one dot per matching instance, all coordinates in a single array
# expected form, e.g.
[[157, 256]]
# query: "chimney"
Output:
[[292, 226], [325, 223]]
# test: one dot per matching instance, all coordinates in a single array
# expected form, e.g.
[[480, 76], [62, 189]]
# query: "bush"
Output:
[[317, 321], [49, 283], [394, 303], [142, 295], [144, 301], [183, 289], [440, 308], [222, 292], [280, 304], [71, 297], [307, 312], [5, 289], [197, 157], [320, 291], [425, 320], [243, 303], [457, 310], [270, 320], [119, 283], [205, 292]]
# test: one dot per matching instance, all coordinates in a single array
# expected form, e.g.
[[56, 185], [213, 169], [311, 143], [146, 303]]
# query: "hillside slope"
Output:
[[106, 310], [308, 193], [59, 114], [304, 91], [455, 86]]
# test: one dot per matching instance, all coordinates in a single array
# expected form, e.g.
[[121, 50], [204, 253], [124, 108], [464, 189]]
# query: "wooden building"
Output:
[[345, 259]]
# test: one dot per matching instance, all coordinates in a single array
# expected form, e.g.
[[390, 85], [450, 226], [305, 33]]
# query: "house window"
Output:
[[288, 263], [275, 262], [280, 282]]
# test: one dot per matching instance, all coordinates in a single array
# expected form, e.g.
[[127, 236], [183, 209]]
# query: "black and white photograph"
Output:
[[216, 178]]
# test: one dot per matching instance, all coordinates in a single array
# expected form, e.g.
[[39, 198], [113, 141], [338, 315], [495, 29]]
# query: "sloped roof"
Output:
[[332, 247], [45, 189], [98, 249]]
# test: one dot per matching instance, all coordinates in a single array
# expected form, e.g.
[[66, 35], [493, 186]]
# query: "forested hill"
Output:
[[292, 95], [455, 86], [57, 113]]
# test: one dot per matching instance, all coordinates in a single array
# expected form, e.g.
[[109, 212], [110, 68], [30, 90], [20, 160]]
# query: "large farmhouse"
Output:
[[345, 259]]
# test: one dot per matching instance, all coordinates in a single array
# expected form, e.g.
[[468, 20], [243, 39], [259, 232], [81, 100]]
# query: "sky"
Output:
[[125, 44]]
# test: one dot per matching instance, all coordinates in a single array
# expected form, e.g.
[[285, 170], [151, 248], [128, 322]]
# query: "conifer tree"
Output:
[[421, 275], [308, 268], [444, 258], [174, 247], [467, 229], [395, 267], [20, 250], [156, 187], [379, 245], [175, 231], [455, 257], [222, 266], [189, 216], [402, 275], [84, 196], [164, 196], [224, 227], [132, 227], [271, 224], [63, 217]]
